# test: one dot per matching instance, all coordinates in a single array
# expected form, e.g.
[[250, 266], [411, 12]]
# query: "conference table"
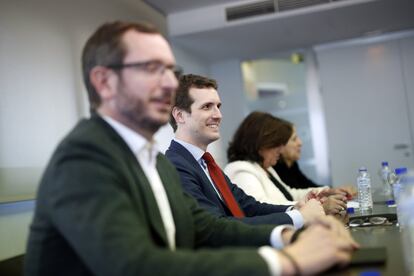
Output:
[[388, 236]]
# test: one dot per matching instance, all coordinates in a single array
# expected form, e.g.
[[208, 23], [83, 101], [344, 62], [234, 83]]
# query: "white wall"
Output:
[[41, 88], [407, 60], [41, 91], [230, 87], [367, 91]]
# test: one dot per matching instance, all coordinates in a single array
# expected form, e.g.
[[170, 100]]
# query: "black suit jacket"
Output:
[[197, 184], [96, 215]]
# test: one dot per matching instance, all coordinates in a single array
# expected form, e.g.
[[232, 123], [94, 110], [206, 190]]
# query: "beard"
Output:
[[136, 111], [137, 117]]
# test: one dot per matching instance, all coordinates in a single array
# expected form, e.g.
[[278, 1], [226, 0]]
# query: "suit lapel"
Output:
[[150, 202], [206, 184], [179, 209], [146, 195]]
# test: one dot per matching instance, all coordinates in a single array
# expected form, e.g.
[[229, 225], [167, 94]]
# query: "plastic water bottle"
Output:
[[384, 174], [406, 218], [398, 179], [395, 180], [364, 190]]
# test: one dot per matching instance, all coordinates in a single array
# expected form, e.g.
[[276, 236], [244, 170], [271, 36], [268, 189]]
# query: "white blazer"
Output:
[[254, 181]]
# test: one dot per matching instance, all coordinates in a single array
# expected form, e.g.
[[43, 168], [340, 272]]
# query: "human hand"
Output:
[[337, 227], [287, 235], [334, 204], [342, 217], [350, 191], [312, 194], [347, 191], [311, 210], [299, 204], [327, 233]]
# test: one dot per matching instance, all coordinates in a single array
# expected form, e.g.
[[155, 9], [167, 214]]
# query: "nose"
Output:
[[169, 80], [299, 142], [217, 113]]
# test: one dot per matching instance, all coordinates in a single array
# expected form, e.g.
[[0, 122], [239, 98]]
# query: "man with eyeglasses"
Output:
[[110, 204]]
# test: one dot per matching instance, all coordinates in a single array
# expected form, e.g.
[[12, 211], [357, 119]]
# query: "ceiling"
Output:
[[171, 6], [282, 33]]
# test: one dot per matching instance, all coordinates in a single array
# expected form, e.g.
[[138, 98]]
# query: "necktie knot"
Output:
[[208, 158]]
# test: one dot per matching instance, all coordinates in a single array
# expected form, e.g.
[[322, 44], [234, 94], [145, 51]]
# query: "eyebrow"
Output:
[[210, 103]]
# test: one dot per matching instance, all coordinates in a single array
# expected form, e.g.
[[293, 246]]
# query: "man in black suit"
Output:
[[110, 204], [196, 121]]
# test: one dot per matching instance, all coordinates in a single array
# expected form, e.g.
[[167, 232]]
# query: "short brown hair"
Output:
[[258, 131], [104, 48], [183, 99]]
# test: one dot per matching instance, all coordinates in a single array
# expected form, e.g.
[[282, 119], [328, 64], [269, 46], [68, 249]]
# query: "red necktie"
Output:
[[221, 184]]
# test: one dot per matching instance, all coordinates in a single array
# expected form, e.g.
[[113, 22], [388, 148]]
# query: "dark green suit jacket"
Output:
[[96, 215]]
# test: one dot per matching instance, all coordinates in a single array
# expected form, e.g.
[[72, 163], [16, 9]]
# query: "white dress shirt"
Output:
[[146, 153]]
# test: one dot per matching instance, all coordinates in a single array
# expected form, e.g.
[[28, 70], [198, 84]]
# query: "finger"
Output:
[[340, 204], [333, 211], [325, 192], [311, 194], [345, 245], [344, 234], [332, 208], [339, 197], [324, 222], [348, 192], [343, 258]]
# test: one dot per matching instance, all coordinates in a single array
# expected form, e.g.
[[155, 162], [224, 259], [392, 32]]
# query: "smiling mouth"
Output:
[[213, 126]]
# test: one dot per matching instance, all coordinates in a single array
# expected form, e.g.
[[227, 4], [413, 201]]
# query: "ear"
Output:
[[104, 80], [178, 115]]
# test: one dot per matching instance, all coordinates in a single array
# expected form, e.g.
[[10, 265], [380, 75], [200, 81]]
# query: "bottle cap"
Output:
[[370, 273], [399, 171], [390, 202], [362, 169], [350, 210], [384, 163]]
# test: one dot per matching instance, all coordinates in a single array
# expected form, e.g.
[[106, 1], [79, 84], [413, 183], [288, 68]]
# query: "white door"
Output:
[[367, 101]]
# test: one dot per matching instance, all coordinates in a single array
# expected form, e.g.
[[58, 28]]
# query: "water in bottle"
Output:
[[364, 190], [395, 180], [384, 174]]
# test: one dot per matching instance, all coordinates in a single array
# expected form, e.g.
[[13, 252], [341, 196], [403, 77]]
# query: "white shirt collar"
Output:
[[195, 151], [135, 141]]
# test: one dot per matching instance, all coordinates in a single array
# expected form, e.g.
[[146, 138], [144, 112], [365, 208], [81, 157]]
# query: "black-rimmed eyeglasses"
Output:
[[154, 67], [369, 221]]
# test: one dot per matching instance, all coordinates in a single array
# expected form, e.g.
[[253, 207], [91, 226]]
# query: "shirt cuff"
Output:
[[296, 217], [271, 258], [276, 240]]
